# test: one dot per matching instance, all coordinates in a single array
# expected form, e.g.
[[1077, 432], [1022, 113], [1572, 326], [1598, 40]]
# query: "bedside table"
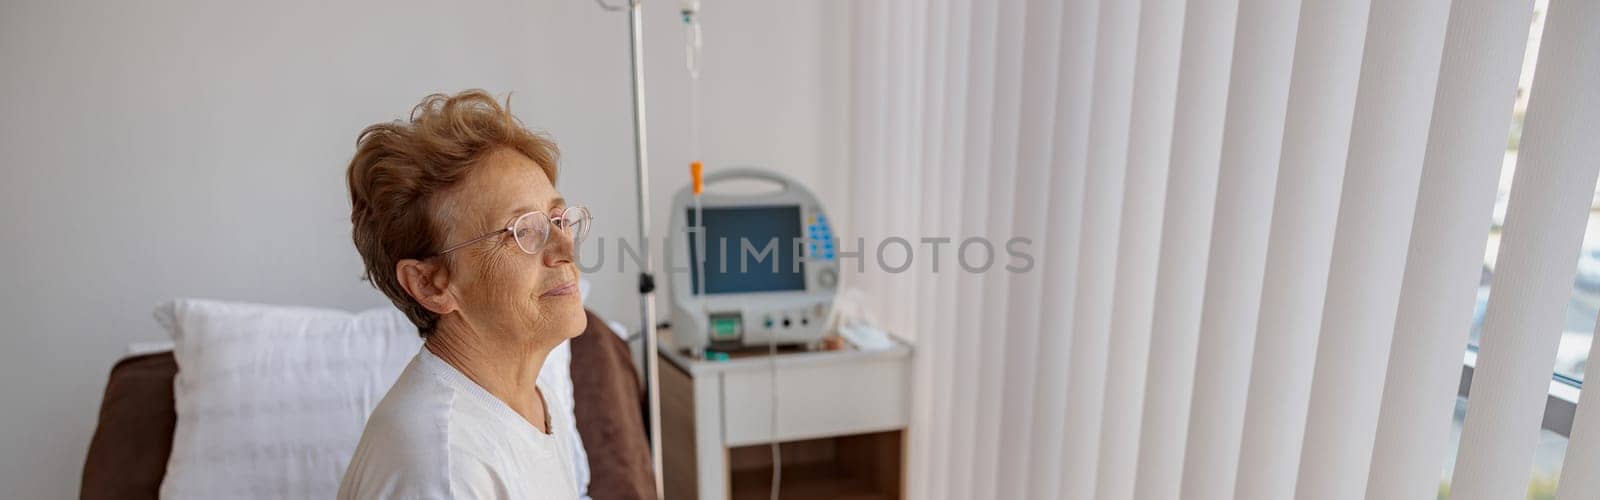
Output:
[[842, 417]]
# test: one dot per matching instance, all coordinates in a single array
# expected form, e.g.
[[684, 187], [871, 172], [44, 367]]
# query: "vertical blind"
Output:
[[1185, 244], [1253, 228], [1544, 226], [1160, 28], [1097, 259], [1479, 67], [1394, 100], [1258, 85], [1322, 97]]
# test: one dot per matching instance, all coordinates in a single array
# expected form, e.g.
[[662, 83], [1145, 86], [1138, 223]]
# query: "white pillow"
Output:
[[271, 400]]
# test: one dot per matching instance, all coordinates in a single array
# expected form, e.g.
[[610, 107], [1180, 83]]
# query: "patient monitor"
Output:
[[767, 272]]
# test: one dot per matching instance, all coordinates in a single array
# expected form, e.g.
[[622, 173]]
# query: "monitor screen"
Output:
[[744, 244]]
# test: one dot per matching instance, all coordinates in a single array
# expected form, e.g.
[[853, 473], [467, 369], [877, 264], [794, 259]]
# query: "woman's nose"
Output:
[[560, 248]]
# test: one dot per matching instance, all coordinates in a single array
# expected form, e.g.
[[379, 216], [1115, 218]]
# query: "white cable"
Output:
[[692, 46], [777, 455]]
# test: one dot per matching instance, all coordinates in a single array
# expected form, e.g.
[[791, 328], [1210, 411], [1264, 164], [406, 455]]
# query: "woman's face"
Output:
[[498, 288]]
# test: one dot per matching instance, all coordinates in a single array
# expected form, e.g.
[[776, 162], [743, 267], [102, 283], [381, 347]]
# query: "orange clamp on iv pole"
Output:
[[695, 171]]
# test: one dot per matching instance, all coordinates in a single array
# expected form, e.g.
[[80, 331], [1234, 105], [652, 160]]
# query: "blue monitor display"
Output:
[[744, 244]]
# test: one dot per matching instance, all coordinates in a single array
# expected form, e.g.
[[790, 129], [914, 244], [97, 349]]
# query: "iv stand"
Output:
[[647, 297]]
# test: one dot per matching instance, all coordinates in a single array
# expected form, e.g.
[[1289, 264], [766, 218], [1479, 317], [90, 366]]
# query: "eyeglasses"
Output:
[[532, 229]]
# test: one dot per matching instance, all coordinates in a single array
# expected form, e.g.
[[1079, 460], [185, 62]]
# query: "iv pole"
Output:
[[647, 297]]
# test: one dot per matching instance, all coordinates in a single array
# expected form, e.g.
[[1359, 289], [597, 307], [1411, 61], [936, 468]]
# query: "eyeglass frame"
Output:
[[512, 226]]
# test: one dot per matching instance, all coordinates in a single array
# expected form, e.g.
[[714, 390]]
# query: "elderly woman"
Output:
[[459, 223]]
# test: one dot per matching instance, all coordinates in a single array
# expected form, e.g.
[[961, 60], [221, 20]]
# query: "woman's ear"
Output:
[[426, 282]]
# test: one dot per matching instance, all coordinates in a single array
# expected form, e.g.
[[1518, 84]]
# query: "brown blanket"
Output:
[[128, 453], [609, 412]]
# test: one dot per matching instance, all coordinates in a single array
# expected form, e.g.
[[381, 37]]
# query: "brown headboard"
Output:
[[128, 453]]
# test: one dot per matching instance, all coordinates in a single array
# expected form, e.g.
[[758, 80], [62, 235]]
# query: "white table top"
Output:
[[696, 367]]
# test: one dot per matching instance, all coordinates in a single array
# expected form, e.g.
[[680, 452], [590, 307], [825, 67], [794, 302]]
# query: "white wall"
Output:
[[197, 148]]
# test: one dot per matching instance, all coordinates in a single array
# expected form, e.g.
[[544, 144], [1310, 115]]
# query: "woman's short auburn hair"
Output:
[[401, 169]]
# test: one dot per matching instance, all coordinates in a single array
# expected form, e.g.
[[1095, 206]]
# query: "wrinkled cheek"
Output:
[[509, 293], [513, 286], [531, 308]]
